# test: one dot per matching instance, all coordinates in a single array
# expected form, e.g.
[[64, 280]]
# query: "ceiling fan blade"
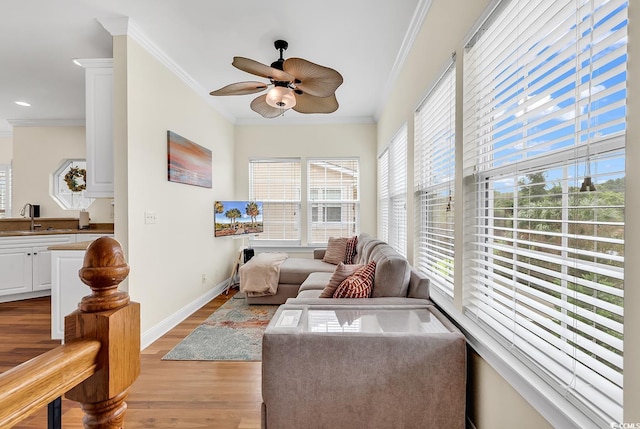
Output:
[[306, 103], [259, 105], [240, 88], [259, 69], [315, 79]]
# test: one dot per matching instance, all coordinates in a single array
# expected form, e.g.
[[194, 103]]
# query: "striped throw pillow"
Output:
[[358, 285], [350, 251], [336, 248]]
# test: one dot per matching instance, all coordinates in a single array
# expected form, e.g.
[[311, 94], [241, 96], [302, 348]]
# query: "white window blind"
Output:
[[393, 194], [333, 209], [276, 182], [545, 107], [5, 190], [383, 196], [434, 171]]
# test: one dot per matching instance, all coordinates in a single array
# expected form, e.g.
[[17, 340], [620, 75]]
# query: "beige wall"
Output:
[[167, 258], [306, 141], [37, 153], [6, 150]]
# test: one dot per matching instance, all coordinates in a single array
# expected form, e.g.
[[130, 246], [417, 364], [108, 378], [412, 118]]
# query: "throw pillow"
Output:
[[336, 248], [341, 272], [350, 251], [358, 285]]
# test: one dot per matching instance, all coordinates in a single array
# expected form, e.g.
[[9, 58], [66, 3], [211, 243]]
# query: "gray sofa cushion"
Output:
[[392, 272], [316, 281], [296, 270]]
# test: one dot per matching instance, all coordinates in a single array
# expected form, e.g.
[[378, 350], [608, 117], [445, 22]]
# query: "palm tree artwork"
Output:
[[237, 217]]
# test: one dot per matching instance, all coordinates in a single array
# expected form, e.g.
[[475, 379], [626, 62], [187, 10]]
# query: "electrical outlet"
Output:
[[150, 217], [204, 278]]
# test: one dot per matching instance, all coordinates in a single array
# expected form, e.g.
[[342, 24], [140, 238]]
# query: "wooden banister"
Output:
[[101, 355], [35, 383]]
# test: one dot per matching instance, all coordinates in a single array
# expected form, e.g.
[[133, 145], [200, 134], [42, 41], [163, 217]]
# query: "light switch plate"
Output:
[[150, 217]]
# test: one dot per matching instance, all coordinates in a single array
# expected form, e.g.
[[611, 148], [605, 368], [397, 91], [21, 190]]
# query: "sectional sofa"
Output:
[[305, 278], [406, 370]]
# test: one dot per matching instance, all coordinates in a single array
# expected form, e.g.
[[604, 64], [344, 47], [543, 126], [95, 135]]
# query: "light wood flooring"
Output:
[[168, 394]]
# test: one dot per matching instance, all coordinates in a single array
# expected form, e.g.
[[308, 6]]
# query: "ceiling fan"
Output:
[[295, 84]]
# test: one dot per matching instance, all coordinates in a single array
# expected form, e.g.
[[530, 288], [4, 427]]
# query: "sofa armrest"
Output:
[[319, 253]]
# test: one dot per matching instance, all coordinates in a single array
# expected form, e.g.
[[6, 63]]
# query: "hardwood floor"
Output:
[[168, 394]]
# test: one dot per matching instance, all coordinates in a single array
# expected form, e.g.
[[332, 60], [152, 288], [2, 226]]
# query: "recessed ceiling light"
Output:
[[23, 103]]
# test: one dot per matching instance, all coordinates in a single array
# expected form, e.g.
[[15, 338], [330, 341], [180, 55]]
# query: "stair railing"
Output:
[[100, 357]]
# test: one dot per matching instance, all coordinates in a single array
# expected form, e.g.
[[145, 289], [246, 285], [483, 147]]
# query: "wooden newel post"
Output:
[[108, 316]]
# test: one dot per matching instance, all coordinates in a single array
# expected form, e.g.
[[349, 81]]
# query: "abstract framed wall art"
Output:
[[188, 162]]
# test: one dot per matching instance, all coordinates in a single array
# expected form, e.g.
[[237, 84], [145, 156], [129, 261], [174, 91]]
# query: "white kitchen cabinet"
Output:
[[99, 126], [15, 266], [25, 265]]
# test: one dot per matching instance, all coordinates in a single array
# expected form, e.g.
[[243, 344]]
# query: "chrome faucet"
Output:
[[23, 213]]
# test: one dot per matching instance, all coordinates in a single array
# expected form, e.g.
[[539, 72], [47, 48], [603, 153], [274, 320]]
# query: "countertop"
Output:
[[55, 231], [82, 245]]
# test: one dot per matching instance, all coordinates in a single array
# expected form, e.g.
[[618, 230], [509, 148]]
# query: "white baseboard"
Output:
[[151, 335]]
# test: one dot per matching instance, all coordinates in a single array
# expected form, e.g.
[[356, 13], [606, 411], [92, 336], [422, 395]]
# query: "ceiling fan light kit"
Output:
[[281, 97], [295, 84]]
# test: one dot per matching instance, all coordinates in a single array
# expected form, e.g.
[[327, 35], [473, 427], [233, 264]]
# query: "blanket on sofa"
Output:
[[259, 276]]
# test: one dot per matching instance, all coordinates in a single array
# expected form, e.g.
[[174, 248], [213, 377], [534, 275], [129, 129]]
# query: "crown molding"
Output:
[[410, 37], [6, 133], [126, 26], [307, 120], [46, 122], [115, 26]]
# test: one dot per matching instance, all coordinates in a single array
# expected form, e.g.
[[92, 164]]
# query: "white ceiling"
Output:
[[365, 40]]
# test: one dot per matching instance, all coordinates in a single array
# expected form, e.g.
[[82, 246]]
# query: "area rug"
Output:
[[233, 332]]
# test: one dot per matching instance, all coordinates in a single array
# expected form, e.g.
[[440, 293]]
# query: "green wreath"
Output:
[[76, 179]]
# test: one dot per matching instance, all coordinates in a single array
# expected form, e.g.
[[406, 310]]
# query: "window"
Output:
[[392, 192], [334, 198], [276, 182], [545, 109], [69, 184], [5, 190], [434, 170]]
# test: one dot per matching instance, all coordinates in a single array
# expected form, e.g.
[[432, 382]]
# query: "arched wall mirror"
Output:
[[69, 182]]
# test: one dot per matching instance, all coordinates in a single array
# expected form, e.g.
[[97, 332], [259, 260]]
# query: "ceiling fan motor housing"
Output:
[[281, 45]]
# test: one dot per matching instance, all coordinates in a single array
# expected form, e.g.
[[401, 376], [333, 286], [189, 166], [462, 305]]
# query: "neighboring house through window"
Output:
[[334, 198]]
